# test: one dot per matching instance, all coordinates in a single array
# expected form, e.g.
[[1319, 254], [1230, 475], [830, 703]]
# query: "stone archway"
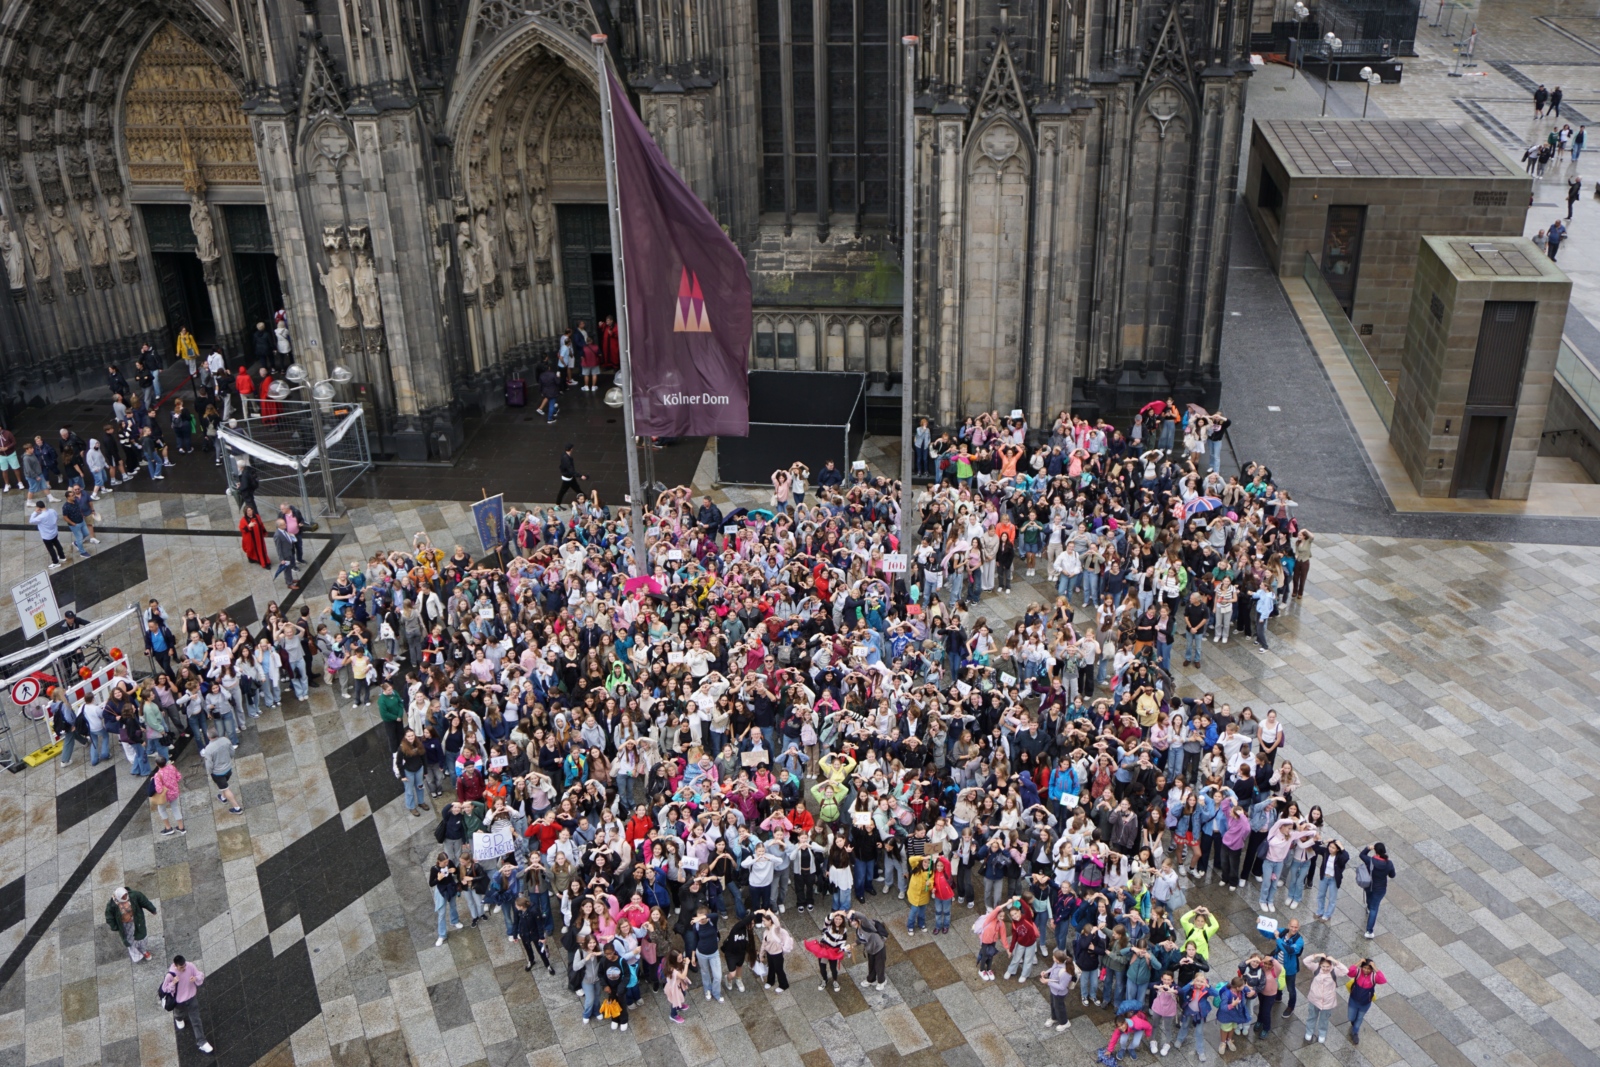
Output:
[[529, 151], [187, 145]]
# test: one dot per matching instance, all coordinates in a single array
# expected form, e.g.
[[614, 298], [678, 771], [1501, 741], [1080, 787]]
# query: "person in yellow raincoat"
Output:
[[188, 351]]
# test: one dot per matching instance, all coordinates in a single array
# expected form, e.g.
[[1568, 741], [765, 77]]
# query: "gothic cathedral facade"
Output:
[[419, 186]]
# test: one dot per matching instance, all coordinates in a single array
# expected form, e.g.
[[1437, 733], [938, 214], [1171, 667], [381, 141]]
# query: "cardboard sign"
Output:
[[487, 846]]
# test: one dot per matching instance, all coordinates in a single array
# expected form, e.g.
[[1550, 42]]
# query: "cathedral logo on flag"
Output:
[[691, 315]]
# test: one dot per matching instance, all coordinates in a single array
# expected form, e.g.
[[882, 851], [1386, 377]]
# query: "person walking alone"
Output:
[[1379, 870], [49, 526], [181, 992], [125, 915], [1574, 190], [570, 476]]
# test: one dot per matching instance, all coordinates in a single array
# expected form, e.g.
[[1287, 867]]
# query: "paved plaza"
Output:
[[1438, 698]]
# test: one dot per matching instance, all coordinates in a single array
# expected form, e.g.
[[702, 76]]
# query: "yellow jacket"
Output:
[[919, 888]]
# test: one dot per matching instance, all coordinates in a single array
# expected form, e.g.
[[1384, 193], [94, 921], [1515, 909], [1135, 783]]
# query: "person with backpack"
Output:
[[1365, 978], [873, 937], [1373, 877], [1195, 1000], [1127, 1033], [180, 994]]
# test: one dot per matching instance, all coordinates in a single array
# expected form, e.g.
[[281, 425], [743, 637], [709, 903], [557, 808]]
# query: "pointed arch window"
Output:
[[825, 107]]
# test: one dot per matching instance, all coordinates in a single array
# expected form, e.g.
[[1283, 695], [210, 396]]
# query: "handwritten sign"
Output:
[[498, 763], [493, 844], [894, 563], [1008, 679]]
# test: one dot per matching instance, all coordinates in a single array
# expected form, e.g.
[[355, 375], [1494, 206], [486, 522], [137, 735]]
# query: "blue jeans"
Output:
[[80, 532], [1261, 628], [1117, 983], [1091, 588], [230, 726], [1089, 986], [1169, 431], [1199, 1036], [440, 906], [841, 899], [99, 746], [711, 972], [66, 747], [1373, 900], [415, 797], [1317, 1020], [1135, 991], [1327, 897], [1356, 1013], [1192, 642], [1164, 655], [1271, 871], [1294, 879], [864, 870], [141, 762], [591, 997], [917, 918], [941, 913]]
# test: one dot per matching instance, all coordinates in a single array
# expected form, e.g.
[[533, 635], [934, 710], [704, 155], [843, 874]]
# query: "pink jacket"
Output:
[[1136, 1023], [168, 779], [183, 984]]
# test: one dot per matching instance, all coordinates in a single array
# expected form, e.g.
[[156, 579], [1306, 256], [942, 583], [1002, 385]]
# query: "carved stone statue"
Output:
[[205, 234], [366, 283], [38, 246], [341, 297], [539, 215], [488, 249], [11, 251], [441, 250], [66, 241], [516, 231], [467, 256], [94, 234], [120, 220]]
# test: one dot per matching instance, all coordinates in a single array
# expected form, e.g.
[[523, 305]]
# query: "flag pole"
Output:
[[908, 266], [636, 491]]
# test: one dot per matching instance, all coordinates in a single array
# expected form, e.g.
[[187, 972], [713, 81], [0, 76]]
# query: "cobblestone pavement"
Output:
[[1437, 695]]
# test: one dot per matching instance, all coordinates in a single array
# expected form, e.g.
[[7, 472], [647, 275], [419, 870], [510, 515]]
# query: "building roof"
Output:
[[1384, 148]]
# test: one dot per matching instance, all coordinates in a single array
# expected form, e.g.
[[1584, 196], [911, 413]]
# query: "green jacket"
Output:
[[390, 708], [141, 904]]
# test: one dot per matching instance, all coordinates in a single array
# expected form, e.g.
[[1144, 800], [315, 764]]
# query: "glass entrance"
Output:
[[586, 263], [1341, 252]]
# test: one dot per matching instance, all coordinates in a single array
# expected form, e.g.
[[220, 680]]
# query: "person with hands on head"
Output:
[[1323, 995], [1365, 978]]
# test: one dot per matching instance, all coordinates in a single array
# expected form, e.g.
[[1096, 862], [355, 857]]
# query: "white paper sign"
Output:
[[730, 530], [894, 563], [674, 657], [964, 689], [675, 555], [498, 763], [1008, 679], [36, 604], [859, 465], [492, 845], [861, 650]]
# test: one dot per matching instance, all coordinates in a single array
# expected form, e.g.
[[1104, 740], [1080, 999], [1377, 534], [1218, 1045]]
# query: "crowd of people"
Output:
[[648, 774]]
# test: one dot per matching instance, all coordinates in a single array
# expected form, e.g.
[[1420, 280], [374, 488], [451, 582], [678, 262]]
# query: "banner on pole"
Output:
[[489, 516], [688, 295]]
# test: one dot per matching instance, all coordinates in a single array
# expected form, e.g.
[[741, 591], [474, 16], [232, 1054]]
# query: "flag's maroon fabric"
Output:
[[688, 296]]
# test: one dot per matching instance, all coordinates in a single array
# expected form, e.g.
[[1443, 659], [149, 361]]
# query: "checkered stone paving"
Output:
[[1437, 695]]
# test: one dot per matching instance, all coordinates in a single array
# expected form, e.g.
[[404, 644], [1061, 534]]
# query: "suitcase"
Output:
[[516, 392]]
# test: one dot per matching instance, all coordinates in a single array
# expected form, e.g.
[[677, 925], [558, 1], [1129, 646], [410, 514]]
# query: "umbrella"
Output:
[[1196, 409], [645, 582], [1154, 405], [761, 513], [1200, 505]]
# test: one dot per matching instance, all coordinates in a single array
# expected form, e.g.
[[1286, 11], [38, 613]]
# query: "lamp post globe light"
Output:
[[1301, 13], [321, 392], [1371, 77], [1330, 45]]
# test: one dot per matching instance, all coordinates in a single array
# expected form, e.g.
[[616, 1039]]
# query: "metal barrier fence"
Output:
[[287, 426]]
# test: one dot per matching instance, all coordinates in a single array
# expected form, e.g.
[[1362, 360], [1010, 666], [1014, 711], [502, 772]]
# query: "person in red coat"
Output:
[[243, 382], [254, 535], [610, 344]]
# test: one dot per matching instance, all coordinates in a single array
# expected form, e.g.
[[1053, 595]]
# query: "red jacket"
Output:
[[637, 829]]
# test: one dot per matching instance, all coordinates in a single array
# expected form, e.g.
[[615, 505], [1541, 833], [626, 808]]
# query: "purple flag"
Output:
[[688, 296]]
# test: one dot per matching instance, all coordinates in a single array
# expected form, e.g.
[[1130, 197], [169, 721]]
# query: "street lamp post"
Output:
[[321, 393], [1330, 45], [1371, 77], [1301, 13]]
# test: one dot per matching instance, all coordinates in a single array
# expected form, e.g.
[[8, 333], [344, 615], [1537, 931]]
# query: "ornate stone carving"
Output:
[[516, 225], [119, 222], [94, 235], [544, 272], [497, 16], [999, 142], [366, 284], [65, 240], [178, 92], [338, 283], [38, 246], [101, 274], [483, 235], [467, 256], [441, 253], [205, 234], [12, 253]]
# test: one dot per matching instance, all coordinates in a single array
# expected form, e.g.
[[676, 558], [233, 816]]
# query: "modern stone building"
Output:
[[419, 184], [1479, 366], [1357, 195]]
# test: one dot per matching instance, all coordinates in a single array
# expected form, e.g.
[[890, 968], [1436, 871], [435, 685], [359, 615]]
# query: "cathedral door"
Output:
[[586, 262], [178, 272]]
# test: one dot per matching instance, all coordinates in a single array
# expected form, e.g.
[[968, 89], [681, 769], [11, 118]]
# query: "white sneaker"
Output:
[[54, 566], [1322, 1039], [439, 942], [1308, 1036], [708, 994], [1293, 904], [94, 540], [823, 988], [206, 1048], [458, 926], [1369, 935], [1063, 1026], [836, 987], [739, 983], [613, 1025], [1166, 1048], [181, 1023], [781, 909], [624, 1026]]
